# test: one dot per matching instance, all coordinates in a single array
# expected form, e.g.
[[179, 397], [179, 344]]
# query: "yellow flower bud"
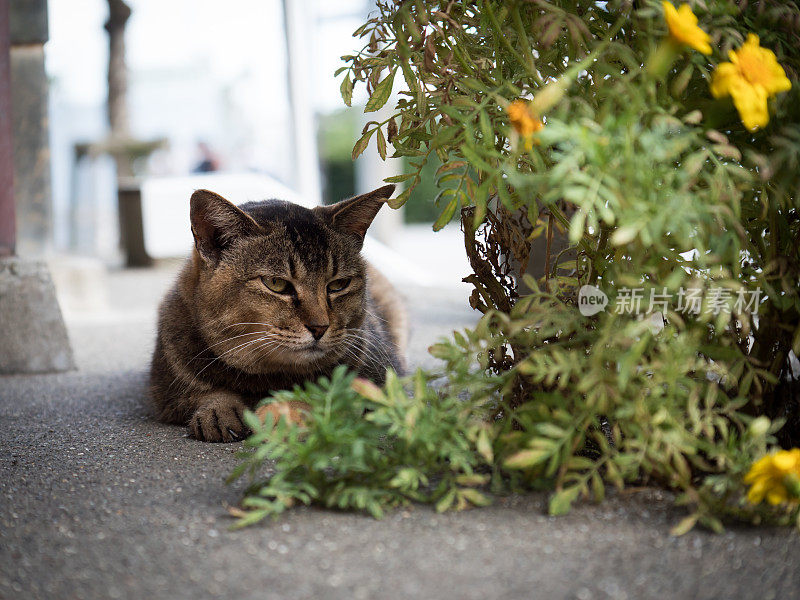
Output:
[[759, 426], [523, 120]]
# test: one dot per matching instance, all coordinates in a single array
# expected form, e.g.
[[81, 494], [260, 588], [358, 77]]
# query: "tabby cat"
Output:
[[273, 294]]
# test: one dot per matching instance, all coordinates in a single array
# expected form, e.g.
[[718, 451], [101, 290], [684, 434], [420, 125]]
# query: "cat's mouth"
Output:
[[314, 353], [296, 358]]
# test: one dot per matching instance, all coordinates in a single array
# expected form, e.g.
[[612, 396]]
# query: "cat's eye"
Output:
[[337, 285], [278, 285]]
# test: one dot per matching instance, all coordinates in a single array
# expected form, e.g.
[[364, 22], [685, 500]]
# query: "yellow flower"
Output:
[[752, 76], [776, 477], [683, 27], [523, 120]]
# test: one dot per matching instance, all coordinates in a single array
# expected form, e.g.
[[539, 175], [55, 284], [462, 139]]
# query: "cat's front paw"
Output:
[[219, 419]]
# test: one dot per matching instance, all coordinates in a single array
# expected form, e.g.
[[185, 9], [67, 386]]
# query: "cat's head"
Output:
[[280, 287]]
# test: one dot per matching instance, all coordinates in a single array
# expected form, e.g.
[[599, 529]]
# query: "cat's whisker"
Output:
[[256, 358], [264, 342], [225, 353], [268, 353], [356, 353], [247, 323], [375, 357], [372, 314], [270, 344], [226, 340], [372, 344], [196, 356], [344, 345], [351, 354]]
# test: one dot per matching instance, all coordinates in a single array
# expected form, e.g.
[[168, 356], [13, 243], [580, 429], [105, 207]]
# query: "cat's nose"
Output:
[[317, 330]]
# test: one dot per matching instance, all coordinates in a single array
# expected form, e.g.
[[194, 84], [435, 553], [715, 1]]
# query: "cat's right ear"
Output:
[[216, 223]]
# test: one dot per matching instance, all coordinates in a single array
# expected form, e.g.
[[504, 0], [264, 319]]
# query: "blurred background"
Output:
[[147, 101], [238, 96]]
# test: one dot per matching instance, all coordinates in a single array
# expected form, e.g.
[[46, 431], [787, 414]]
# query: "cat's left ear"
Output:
[[356, 214]]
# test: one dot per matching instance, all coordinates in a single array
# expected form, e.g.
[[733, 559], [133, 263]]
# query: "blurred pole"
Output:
[[117, 104], [117, 100], [7, 205], [129, 199], [298, 19]]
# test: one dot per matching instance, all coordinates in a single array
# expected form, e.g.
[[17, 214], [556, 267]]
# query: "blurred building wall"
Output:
[[199, 70]]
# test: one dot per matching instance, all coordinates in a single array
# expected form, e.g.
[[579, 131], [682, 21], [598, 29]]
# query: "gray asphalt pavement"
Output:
[[99, 501]]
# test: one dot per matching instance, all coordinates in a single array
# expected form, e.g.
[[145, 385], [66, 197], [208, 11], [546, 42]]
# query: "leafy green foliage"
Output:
[[368, 448], [648, 418]]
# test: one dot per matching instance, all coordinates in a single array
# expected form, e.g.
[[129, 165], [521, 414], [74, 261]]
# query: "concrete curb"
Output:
[[34, 338]]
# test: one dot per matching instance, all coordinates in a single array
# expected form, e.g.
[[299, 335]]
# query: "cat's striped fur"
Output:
[[273, 294]]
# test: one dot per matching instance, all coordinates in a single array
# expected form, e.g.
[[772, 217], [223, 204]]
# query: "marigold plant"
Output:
[[637, 268]]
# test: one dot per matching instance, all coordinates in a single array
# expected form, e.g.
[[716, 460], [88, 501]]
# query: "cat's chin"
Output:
[[297, 362]]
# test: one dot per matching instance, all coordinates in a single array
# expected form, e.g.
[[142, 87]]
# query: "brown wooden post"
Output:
[[8, 222]]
